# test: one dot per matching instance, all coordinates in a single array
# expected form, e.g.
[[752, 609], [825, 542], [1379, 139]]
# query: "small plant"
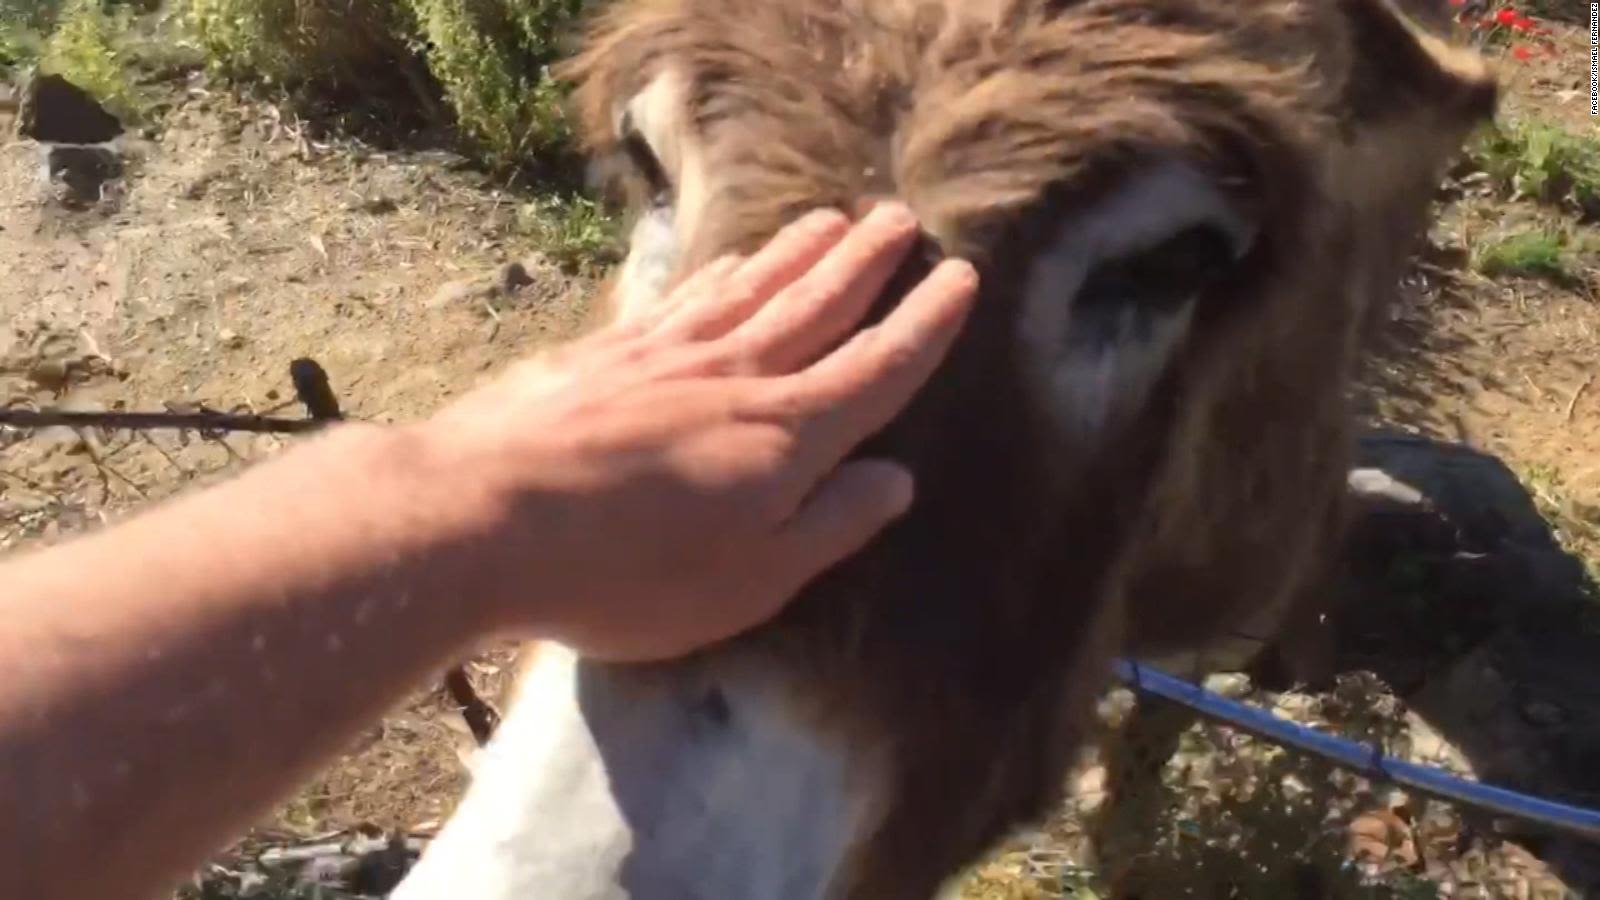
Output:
[[19, 47], [574, 232], [1545, 163], [1539, 253], [29, 15], [84, 50]]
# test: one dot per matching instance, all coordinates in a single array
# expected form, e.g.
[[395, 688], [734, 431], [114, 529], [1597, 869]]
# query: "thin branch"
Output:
[[99, 460], [171, 460], [203, 421], [1572, 405]]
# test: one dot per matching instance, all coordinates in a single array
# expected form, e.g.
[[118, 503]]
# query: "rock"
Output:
[[505, 281], [1476, 491], [1383, 839], [83, 170], [1233, 685], [1425, 745], [512, 276], [54, 110], [1462, 519], [380, 871], [1297, 707]]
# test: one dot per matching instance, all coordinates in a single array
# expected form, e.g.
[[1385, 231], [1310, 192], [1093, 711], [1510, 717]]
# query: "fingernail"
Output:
[[959, 273], [900, 490], [822, 221], [893, 214]]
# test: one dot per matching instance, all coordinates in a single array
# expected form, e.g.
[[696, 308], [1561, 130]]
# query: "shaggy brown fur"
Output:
[[959, 654]]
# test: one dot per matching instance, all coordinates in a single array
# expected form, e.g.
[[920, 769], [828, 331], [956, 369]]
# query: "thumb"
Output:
[[846, 511]]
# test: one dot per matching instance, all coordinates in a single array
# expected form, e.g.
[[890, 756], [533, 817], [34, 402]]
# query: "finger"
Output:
[[707, 281], [804, 318], [790, 253], [843, 514], [855, 391]]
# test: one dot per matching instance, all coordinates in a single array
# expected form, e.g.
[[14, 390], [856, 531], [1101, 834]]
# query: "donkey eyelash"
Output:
[[645, 163], [1178, 267]]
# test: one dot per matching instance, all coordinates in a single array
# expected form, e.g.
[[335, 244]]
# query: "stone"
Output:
[[83, 170], [512, 276], [54, 110]]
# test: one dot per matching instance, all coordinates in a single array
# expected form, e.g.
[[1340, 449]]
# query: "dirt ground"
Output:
[[1507, 365], [239, 243]]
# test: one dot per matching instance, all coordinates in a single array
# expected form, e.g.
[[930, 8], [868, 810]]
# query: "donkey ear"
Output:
[[1402, 67]]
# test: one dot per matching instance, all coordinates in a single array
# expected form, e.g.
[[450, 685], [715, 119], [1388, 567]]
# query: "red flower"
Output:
[[1506, 16], [1523, 24], [1521, 53]]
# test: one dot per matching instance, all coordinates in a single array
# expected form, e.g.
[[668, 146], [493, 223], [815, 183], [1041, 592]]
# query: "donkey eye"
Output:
[[1162, 277], [645, 163]]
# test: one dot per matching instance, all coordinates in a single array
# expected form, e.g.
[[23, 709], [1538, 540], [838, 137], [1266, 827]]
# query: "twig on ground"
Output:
[[91, 446], [1572, 405], [494, 316], [171, 460]]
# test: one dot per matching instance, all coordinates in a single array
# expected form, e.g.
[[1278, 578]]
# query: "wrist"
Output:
[[414, 518], [476, 535]]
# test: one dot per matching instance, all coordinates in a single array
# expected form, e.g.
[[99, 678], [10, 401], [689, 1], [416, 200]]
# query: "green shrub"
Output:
[[29, 15], [84, 49], [574, 232], [486, 59], [337, 44], [19, 46], [1532, 254], [1544, 162], [492, 58]]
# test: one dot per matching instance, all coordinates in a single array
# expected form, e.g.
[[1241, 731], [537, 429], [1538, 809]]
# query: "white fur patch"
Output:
[[536, 821], [604, 783], [1093, 382], [652, 257]]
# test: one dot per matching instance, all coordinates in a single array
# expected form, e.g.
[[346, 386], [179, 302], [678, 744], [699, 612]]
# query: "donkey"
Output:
[[1185, 214]]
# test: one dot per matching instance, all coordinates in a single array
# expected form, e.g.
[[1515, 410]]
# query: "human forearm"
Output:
[[155, 717], [662, 484]]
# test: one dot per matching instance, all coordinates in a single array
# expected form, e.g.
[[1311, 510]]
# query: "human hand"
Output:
[[675, 478]]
